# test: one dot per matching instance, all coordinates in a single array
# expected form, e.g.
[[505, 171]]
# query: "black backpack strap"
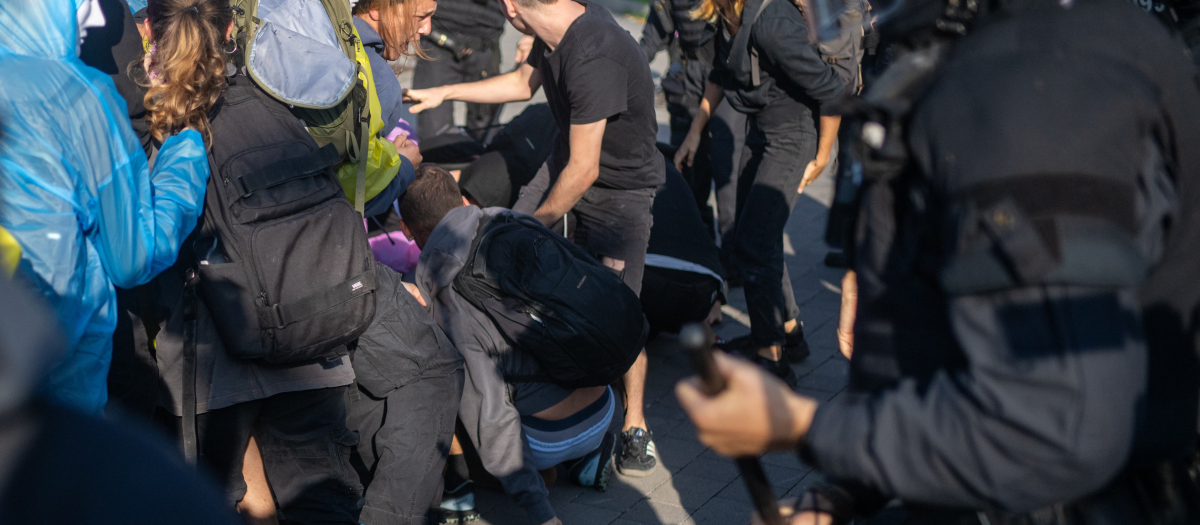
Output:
[[289, 169], [282, 315], [755, 70], [189, 366]]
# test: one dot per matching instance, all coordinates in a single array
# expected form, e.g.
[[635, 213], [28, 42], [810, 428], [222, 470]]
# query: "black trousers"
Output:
[[715, 168], [781, 141], [608, 222], [445, 68], [306, 450], [673, 298], [409, 383]]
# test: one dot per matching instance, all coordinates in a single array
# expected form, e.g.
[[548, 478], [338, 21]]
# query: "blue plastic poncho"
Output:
[[77, 193]]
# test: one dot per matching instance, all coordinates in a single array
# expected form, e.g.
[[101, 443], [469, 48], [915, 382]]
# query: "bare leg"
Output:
[[258, 505], [635, 393]]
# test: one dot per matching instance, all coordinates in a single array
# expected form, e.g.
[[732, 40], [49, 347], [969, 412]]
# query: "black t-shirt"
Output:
[[598, 72]]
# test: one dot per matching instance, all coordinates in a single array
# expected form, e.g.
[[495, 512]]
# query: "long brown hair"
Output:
[[187, 56], [730, 11], [398, 24]]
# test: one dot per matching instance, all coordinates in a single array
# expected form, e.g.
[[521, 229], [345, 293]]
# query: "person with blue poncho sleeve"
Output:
[[77, 192]]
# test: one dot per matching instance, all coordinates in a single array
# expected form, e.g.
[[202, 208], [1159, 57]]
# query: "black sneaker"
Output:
[[638, 456], [592, 470], [796, 349], [781, 369], [458, 504]]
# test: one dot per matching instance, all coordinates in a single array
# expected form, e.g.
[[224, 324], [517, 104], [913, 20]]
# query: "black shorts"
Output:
[[609, 222]]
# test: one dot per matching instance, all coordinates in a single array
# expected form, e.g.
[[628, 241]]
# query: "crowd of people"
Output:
[[251, 277]]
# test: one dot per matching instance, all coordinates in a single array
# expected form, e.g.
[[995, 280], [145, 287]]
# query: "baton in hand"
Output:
[[697, 340]]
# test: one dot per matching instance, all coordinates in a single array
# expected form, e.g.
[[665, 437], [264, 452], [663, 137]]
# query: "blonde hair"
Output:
[[713, 10], [398, 24], [187, 56]]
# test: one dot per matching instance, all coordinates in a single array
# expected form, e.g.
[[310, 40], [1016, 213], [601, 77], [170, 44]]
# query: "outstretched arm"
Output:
[[509, 87]]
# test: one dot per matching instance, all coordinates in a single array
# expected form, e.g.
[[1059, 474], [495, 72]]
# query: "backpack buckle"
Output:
[[278, 316]]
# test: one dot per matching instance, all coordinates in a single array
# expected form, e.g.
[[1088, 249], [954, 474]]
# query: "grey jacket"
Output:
[[491, 408]]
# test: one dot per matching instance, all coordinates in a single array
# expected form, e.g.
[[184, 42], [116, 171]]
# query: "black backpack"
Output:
[[550, 298], [282, 256]]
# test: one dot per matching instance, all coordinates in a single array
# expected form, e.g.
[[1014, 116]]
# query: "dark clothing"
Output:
[[80, 470], [790, 65], [1014, 386], [491, 408], [512, 159], [678, 233], [444, 68], [692, 47], [715, 168], [111, 49], [409, 381], [683, 266], [609, 222], [781, 141], [596, 73], [478, 18], [305, 448]]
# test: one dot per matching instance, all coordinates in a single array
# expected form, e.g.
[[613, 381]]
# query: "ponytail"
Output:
[[187, 62]]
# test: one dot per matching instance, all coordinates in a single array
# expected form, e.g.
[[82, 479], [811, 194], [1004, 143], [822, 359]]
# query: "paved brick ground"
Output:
[[693, 485]]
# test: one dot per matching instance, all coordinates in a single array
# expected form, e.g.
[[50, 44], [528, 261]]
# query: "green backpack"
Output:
[[305, 54]]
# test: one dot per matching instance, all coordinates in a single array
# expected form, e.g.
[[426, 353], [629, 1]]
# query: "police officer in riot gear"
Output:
[[464, 46], [690, 43], [1027, 233]]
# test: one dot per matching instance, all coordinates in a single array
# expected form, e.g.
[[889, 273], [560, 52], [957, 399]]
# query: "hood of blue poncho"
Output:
[[40, 28]]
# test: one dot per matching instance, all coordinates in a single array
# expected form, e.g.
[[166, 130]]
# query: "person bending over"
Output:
[[604, 166], [518, 427]]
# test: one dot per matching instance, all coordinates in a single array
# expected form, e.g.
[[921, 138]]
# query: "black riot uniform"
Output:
[[464, 46], [1027, 233], [691, 46]]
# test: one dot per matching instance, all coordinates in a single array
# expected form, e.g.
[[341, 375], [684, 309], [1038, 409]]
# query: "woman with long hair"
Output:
[[389, 30], [184, 71], [767, 68], [78, 194]]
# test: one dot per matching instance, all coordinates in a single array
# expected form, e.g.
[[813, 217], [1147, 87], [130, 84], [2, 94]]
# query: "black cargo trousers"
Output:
[[409, 383]]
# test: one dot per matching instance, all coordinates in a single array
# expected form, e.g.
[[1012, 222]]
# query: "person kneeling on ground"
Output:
[[684, 280], [518, 427]]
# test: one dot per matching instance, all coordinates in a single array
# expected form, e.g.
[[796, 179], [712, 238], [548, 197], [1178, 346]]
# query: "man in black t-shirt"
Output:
[[604, 167]]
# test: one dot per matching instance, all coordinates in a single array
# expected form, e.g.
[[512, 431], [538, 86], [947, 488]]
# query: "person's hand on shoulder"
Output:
[[755, 413]]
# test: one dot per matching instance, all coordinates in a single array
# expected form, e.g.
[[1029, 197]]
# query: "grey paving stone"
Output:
[[579, 514], [565, 492], [782, 479], [689, 492], [645, 484], [823, 383], [674, 453], [656, 512], [723, 470], [618, 497], [721, 511]]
